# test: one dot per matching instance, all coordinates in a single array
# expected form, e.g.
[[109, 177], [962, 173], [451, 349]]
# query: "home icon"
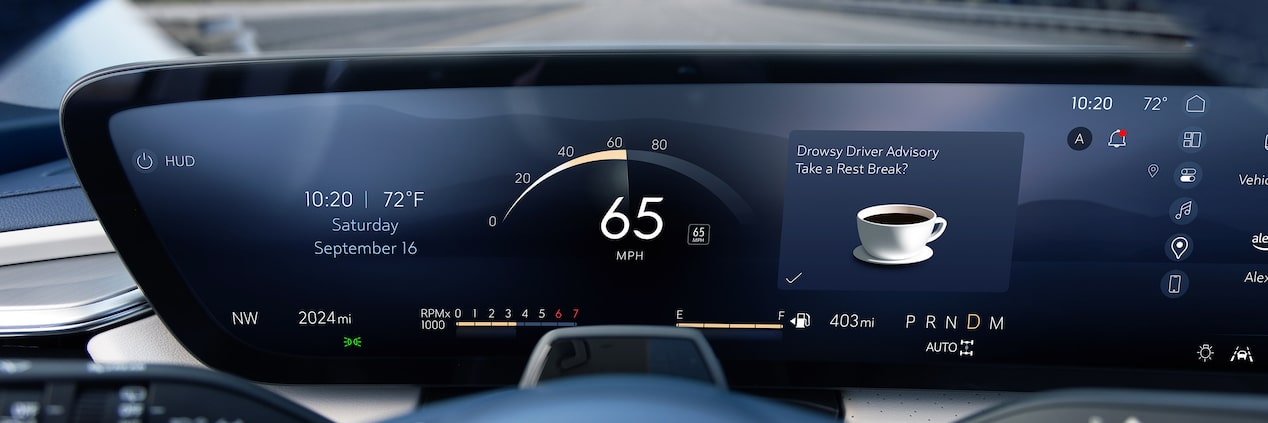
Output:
[[1195, 104]]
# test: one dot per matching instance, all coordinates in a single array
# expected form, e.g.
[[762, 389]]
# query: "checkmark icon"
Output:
[[794, 278]]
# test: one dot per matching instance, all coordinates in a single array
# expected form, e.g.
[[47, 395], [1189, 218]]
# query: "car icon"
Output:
[[1242, 354]]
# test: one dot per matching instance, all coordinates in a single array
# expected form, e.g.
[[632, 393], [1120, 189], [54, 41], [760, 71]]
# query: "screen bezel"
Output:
[[91, 102]]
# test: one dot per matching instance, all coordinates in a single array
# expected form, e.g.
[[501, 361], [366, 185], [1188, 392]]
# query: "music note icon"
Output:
[[1183, 211]]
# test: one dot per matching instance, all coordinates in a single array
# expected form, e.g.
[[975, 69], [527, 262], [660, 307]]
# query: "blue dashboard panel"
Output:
[[43, 195], [28, 136]]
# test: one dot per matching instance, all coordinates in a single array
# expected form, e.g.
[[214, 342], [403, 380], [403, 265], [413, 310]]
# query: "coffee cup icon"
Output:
[[893, 234]]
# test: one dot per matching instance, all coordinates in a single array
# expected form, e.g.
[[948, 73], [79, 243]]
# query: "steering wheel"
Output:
[[613, 398]]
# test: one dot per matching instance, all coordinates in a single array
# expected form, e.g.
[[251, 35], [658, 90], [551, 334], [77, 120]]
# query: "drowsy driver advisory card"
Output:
[[900, 211]]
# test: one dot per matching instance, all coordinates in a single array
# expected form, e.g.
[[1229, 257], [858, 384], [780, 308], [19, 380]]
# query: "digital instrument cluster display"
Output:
[[1082, 226]]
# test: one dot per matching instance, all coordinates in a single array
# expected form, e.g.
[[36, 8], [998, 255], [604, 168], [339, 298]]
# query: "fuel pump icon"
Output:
[[801, 320]]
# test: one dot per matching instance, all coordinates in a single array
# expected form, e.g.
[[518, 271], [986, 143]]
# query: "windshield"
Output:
[[280, 26]]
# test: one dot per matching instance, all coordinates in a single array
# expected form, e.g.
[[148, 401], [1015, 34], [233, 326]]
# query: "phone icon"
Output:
[[1173, 283]]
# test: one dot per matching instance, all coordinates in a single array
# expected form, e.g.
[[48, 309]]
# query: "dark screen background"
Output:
[[1084, 259]]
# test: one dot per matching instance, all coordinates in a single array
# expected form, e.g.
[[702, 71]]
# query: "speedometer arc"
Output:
[[719, 188]]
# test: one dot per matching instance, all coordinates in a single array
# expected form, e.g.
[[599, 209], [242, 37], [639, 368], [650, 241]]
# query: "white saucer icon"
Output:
[[924, 254]]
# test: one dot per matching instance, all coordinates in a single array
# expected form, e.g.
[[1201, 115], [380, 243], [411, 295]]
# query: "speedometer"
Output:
[[634, 205]]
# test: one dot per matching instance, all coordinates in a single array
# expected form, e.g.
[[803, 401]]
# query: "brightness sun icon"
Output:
[[1205, 352]]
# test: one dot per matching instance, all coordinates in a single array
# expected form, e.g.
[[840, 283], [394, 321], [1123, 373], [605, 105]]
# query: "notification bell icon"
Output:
[[1118, 138]]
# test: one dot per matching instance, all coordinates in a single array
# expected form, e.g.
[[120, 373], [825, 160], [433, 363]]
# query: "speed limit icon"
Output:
[[698, 234]]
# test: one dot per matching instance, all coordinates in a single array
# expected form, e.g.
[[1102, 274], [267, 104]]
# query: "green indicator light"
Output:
[[352, 342]]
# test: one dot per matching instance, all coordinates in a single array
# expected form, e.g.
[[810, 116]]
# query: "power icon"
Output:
[[144, 160]]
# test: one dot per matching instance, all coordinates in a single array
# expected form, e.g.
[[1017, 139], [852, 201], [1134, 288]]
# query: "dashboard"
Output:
[[823, 219]]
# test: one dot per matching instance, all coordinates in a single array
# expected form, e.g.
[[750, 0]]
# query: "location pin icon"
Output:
[[1153, 170], [1179, 245]]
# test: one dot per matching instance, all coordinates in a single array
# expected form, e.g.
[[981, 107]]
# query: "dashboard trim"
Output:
[[53, 242], [67, 295]]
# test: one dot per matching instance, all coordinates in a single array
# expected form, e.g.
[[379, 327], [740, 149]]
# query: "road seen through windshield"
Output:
[[288, 26]]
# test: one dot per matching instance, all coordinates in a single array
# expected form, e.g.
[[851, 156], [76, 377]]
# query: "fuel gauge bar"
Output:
[[702, 325]]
